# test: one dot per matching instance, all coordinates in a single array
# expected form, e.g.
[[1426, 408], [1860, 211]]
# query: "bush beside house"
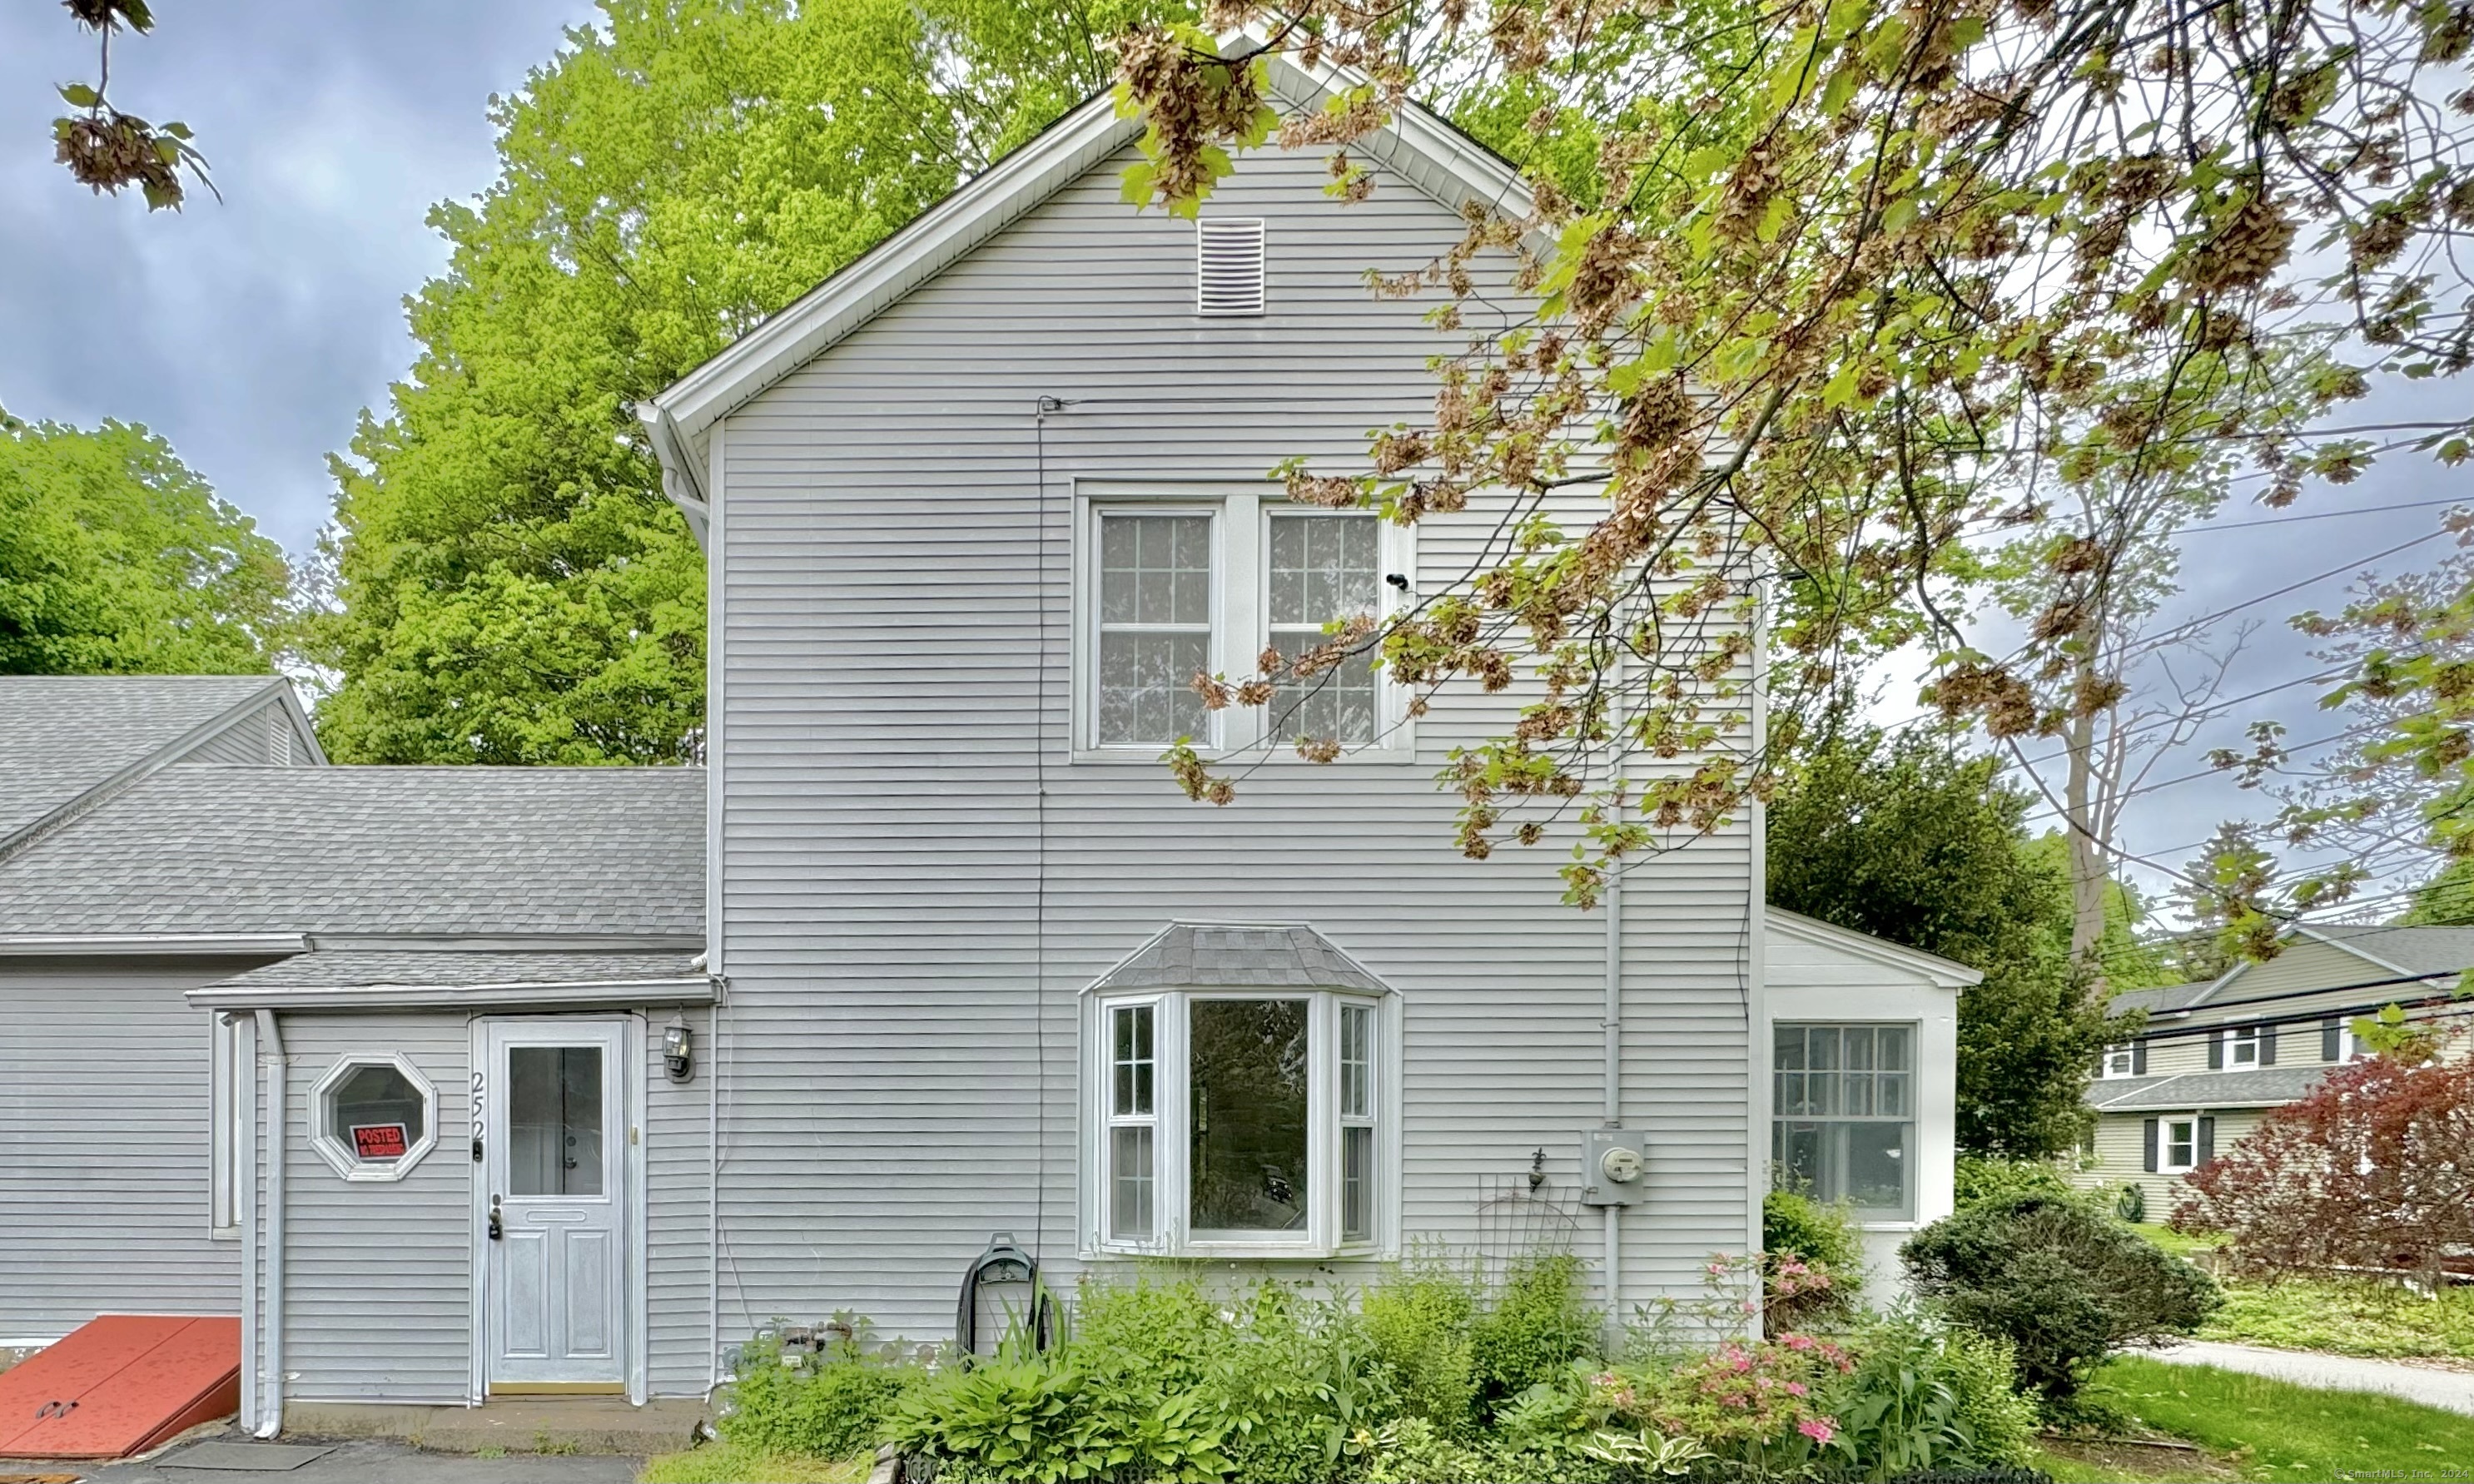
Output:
[[2060, 1279], [1434, 1378]]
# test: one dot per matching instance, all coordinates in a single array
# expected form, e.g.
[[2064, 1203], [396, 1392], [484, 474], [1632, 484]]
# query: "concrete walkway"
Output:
[[367, 1461], [2429, 1385]]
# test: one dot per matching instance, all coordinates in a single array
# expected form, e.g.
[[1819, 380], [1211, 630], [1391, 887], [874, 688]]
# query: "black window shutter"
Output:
[[2215, 1051], [2150, 1133], [2207, 1138], [2328, 1040], [2139, 1058], [2267, 1046]]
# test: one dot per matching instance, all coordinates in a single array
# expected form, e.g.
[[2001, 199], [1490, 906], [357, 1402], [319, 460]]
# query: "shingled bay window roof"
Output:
[[1289, 956]]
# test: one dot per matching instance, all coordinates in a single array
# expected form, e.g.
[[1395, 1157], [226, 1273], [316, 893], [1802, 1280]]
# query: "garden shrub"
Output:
[[1813, 1263], [1982, 1177], [1925, 1395], [832, 1407], [2132, 1204], [1161, 1380], [1418, 1319], [2058, 1278], [1534, 1330], [2365, 1171], [1414, 1451], [1293, 1382], [1798, 1224]]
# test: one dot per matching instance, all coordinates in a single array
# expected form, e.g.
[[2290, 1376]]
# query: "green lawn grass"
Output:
[[2272, 1430], [2343, 1318], [2347, 1319], [722, 1462]]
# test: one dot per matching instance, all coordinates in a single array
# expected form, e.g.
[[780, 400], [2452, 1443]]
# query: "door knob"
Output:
[[498, 1221]]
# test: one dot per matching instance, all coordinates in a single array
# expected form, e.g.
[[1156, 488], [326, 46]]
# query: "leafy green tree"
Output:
[[116, 558], [1911, 840], [512, 586]]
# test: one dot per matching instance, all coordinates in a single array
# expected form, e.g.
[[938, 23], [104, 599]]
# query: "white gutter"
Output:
[[1611, 1026], [270, 1409], [163, 944], [579, 994]]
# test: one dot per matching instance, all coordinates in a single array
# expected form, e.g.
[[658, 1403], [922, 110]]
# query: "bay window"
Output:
[[1238, 1122]]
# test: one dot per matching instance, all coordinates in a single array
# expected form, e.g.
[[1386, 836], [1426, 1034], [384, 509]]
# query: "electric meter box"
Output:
[[1615, 1167]]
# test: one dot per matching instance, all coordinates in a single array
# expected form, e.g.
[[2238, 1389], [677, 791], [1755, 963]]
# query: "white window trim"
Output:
[[2349, 1048], [1240, 622], [1866, 1217], [338, 1157], [1170, 1238], [2165, 1141], [2237, 1038], [2128, 1053], [231, 1083]]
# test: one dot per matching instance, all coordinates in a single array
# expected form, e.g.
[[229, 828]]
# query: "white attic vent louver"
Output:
[[1229, 256]]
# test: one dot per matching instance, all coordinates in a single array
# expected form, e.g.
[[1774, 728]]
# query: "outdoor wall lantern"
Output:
[[678, 1049]]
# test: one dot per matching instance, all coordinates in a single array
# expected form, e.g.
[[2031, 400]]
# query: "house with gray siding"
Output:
[[569, 1081], [2211, 1059], [974, 511], [254, 1009]]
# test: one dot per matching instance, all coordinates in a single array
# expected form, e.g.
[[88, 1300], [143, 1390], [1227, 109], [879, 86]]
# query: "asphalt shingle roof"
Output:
[[2171, 997], [374, 850], [1288, 955], [2263, 1088], [62, 735], [2416, 950], [349, 968]]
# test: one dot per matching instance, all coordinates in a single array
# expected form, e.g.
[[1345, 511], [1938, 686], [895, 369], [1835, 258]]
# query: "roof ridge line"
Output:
[[144, 766]]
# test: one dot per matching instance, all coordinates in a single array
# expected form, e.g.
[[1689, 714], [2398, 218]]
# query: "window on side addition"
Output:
[[1844, 1115]]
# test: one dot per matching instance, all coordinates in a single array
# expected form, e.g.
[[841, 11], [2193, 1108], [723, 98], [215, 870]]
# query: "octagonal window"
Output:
[[375, 1117]]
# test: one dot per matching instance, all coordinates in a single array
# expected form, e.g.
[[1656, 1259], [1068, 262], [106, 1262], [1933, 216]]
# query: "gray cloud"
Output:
[[251, 332]]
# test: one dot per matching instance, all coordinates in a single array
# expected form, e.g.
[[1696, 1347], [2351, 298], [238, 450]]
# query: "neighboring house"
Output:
[[974, 510], [2216, 1056], [368, 912]]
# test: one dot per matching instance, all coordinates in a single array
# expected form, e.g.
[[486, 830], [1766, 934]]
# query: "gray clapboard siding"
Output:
[[678, 1274], [262, 737], [377, 1276], [905, 926], [104, 1145]]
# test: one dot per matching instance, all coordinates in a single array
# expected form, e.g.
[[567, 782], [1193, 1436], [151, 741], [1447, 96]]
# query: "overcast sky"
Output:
[[253, 332]]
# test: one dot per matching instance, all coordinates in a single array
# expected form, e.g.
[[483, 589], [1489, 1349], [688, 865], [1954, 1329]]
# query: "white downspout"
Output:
[[270, 1046], [244, 1133], [1612, 1027]]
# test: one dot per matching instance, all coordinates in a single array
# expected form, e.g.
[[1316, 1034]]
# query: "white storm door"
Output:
[[555, 1239]]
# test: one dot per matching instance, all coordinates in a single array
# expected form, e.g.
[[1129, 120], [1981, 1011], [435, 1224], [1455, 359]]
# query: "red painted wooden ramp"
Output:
[[119, 1386]]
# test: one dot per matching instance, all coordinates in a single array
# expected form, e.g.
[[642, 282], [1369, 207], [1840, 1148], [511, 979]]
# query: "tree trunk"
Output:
[[2086, 863]]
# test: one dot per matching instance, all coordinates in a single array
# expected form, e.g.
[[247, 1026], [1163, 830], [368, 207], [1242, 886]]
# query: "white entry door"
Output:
[[554, 1109]]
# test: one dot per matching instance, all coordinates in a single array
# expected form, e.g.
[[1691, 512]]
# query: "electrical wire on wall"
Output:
[[1041, 408]]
